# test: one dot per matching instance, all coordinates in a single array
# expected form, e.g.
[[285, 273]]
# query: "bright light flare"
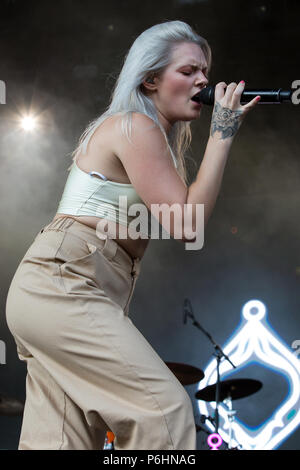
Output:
[[28, 123]]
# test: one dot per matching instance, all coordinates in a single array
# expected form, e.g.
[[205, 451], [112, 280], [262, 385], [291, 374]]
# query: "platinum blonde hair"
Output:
[[149, 55]]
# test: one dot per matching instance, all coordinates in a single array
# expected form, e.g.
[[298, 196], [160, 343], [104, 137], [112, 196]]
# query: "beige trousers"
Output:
[[89, 369]]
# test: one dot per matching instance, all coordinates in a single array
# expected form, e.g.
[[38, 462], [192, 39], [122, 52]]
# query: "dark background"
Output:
[[59, 60]]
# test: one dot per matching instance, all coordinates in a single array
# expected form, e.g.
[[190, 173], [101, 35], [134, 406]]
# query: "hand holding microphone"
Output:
[[228, 112], [268, 96]]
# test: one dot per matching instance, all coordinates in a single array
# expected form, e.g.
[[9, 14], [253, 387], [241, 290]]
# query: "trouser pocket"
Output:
[[85, 270]]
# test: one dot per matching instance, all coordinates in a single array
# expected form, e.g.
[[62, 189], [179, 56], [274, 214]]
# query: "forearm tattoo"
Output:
[[224, 120]]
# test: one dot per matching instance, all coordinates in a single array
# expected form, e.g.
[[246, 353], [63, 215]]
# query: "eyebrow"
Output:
[[194, 67]]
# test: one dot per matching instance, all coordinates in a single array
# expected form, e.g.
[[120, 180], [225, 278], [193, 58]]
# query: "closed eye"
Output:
[[189, 73]]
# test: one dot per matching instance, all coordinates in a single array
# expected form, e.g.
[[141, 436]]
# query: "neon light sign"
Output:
[[212, 444], [255, 341]]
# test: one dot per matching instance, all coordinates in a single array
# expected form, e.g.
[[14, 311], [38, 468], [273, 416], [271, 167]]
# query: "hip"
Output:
[[134, 247], [67, 261]]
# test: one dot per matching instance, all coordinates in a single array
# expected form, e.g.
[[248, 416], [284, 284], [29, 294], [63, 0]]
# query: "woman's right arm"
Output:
[[149, 166], [226, 119]]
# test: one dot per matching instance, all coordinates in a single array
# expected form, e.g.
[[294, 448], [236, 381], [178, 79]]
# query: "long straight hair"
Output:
[[149, 54]]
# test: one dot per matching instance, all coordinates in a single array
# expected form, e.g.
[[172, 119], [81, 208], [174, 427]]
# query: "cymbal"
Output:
[[10, 406], [185, 373], [236, 388]]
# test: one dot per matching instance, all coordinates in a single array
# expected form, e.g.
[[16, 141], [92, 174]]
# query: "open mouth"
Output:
[[196, 97]]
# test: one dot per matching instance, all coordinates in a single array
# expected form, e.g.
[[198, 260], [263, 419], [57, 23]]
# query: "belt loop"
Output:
[[59, 224], [110, 248], [68, 222]]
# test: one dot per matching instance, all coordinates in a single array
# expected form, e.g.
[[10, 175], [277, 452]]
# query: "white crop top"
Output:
[[85, 194]]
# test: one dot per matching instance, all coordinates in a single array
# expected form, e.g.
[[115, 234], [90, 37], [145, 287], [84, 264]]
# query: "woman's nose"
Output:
[[201, 79]]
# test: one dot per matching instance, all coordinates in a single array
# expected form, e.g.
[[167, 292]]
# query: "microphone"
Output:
[[268, 96]]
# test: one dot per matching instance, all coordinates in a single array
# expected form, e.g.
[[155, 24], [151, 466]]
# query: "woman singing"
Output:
[[89, 369]]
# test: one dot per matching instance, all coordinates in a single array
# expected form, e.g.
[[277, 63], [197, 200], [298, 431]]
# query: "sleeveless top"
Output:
[[85, 194]]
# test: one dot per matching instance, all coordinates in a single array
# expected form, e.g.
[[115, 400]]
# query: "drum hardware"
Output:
[[233, 389], [201, 428], [203, 418], [185, 373], [230, 416], [229, 390]]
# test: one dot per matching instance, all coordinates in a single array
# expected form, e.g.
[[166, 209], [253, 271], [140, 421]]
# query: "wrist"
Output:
[[217, 139]]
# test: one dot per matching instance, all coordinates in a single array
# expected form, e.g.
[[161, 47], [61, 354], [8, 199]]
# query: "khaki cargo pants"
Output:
[[89, 369]]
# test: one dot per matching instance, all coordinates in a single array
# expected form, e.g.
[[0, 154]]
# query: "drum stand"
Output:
[[230, 415]]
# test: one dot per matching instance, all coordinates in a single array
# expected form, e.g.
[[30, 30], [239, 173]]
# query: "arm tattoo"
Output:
[[224, 120]]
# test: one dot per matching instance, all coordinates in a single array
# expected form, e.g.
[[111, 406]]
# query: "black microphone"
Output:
[[207, 96]]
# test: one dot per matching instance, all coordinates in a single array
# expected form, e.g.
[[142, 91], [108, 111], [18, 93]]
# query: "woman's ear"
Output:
[[149, 83]]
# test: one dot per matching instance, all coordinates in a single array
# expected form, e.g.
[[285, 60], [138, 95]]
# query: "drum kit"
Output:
[[229, 390]]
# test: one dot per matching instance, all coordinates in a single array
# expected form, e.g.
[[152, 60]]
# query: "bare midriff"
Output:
[[135, 248]]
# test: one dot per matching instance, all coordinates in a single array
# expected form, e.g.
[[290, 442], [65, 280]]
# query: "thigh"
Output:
[[108, 369]]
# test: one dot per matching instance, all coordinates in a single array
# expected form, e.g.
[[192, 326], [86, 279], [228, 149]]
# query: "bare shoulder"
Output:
[[148, 162], [101, 156], [139, 123], [144, 134]]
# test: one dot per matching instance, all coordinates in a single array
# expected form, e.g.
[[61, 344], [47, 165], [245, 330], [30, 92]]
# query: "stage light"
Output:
[[28, 123]]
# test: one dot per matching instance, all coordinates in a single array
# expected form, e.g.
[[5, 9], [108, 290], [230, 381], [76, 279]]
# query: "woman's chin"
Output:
[[192, 116]]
